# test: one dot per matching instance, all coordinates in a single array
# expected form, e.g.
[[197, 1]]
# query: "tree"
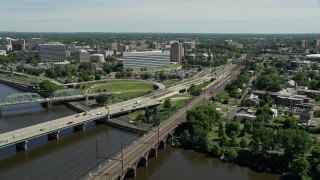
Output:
[[232, 126], [315, 150], [140, 117], [248, 126], [317, 172], [299, 167], [270, 82], [243, 143], [195, 90], [263, 140], [295, 142], [163, 76], [102, 99], [110, 58], [215, 150], [185, 136], [233, 141], [49, 87], [167, 104], [290, 122], [267, 100], [97, 77], [148, 115], [155, 111], [231, 153]]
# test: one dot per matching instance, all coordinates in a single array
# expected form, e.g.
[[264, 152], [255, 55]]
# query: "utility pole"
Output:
[[158, 132], [97, 156], [121, 158], [204, 92]]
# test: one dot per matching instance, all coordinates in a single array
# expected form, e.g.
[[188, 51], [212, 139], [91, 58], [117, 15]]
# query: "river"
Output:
[[74, 155], [173, 163]]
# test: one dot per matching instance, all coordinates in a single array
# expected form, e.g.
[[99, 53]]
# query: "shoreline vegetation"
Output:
[[289, 152]]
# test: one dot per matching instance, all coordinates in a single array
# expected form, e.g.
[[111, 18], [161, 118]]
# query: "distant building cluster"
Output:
[[304, 43]]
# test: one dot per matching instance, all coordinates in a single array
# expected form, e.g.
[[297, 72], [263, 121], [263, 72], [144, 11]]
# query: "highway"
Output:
[[24, 134], [132, 153]]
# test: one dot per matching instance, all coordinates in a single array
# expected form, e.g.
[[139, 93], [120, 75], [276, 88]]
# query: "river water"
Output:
[[74, 155], [173, 164]]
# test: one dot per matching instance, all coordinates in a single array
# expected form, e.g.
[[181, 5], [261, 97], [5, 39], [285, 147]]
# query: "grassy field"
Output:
[[134, 115], [169, 83], [120, 97], [85, 85], [123, 86], [127, 96], [213, 135]]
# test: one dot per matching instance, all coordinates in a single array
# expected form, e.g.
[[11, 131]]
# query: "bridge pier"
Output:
[[162, 144], [131, 173], [153, 152], [54, 135], [22, 145], [80, 127], [143, 162], [46, 104]]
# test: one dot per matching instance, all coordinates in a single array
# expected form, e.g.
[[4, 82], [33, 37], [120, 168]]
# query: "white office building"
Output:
[[52, 53], [146, 59]]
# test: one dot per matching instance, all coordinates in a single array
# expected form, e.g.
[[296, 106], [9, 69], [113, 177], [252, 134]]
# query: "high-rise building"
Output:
[[176, 52], [146, 59], [317, 42], [303, 43], [5, 44], [82, 56], [52, 53], [154, 45], [188, 45], [33, 42], [19, 45]]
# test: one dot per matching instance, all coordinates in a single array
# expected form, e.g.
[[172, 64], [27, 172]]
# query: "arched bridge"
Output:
[[29, 98]]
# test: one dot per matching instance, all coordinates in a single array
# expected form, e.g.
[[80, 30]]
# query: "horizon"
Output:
[[174, 16], [97, 32]]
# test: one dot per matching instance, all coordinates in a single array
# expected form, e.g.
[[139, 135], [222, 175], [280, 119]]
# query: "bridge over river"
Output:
[[20, 137]]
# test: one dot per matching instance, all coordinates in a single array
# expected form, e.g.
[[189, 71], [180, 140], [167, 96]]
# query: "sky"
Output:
[[181, 16]]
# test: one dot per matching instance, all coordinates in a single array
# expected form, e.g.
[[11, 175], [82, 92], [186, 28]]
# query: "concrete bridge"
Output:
[[20, 137]]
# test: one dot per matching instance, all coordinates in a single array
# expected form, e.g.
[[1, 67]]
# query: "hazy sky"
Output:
[[203, 16]]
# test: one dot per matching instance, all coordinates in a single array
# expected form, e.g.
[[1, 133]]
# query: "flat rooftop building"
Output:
[[146, 59], [52, 53]]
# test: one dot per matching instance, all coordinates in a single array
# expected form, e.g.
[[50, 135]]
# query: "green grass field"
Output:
[[169, 83], [127, 96], [123, 86]]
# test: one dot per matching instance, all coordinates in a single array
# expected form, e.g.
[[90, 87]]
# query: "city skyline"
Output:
[[204, 16]]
